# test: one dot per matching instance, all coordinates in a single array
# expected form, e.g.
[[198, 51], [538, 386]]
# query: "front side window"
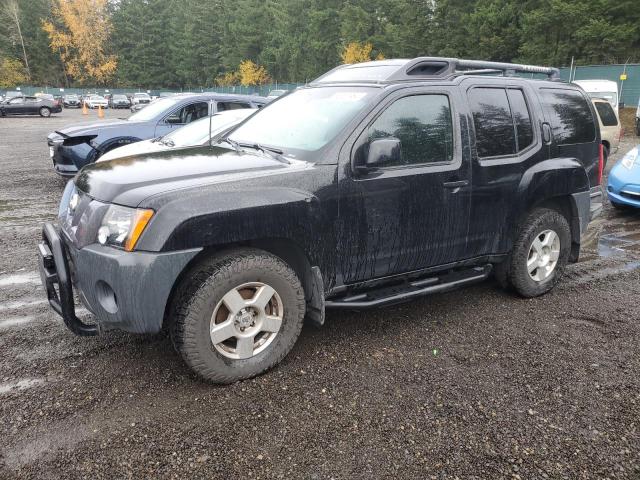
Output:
[[189, 113], [607, 115], [423, 125], [569, 115]]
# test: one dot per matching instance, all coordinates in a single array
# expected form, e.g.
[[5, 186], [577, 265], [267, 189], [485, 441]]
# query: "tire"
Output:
[[200, 296], [44, 112], [513, 273], [638, 129]]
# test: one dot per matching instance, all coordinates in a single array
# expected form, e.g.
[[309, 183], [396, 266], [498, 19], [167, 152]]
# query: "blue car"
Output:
[[72, 148], [624, 180]]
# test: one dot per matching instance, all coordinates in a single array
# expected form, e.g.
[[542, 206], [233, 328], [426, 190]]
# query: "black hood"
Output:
[[129, 180]]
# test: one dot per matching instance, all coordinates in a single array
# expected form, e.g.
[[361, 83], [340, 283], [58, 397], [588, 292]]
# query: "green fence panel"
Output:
[[630, 88]]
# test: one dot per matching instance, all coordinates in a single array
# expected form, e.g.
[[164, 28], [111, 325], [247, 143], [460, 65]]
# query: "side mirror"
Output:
[[383, 151]]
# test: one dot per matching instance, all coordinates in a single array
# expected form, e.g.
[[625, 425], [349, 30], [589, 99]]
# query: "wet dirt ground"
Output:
[[470, 384]]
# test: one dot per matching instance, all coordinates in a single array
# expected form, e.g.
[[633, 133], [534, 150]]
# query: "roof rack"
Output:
[[382, 71]]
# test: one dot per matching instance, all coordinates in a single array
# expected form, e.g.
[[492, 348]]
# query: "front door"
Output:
[[412, 212], [16, 106]]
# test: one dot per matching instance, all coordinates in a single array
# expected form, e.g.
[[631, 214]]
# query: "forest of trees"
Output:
[[183, 43]]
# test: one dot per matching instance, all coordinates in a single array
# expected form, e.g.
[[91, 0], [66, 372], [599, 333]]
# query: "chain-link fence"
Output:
[[242, 90]]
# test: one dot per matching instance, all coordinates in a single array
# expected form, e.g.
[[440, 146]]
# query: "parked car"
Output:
[[606, 89], [29, 106], [610, 126], [138, 106], [73, 147], [95, 101], [276, 93], [375, 184], [71, 101], [623, 187], [13, 94], [119, 101], [195, 134], [140, 98], [47, 96]]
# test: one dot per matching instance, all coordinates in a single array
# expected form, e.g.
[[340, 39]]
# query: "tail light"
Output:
[[600, 163]]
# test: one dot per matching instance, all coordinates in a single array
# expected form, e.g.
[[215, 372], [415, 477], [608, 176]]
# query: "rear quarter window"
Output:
[[606, 113], [569, 115]]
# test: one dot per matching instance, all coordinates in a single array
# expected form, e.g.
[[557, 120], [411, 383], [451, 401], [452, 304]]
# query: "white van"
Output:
[[606, 89]]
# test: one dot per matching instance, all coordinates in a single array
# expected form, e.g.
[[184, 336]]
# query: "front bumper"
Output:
[[623, 187], [124, 290]]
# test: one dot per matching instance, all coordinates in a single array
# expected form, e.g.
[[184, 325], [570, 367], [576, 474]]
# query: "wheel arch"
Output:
[[287, 250]]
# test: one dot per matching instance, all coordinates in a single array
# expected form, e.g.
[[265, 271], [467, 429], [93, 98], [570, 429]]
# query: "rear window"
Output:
[[502, 121], [607, 115], [569, 115]]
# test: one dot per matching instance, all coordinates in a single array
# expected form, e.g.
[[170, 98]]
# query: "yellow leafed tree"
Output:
[[356, 52], [228, 79], [12, 73], [252, 74], [80, 33]]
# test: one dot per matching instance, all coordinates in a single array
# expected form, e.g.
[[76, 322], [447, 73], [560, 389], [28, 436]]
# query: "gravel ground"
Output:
[[470, 384]]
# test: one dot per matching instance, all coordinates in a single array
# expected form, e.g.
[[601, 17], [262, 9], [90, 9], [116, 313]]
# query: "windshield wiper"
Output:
[[274, 153], [168, 143], [233, 143]]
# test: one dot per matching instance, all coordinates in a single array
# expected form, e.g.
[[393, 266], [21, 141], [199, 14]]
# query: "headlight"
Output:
[[122, 226], [630, 158]]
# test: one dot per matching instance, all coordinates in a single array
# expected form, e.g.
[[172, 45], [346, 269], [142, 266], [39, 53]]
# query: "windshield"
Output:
[[154, 109], [141, 95], [306, 119], [119, 97], [197, 133]]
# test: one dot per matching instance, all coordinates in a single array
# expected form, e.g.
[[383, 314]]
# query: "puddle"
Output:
[[16, 321], [20, 384], [19, 279], [609, 240]]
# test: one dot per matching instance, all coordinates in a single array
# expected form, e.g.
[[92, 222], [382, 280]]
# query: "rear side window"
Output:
[[607, 115], [222, 106], [502, 121], [569, 115], [521, 118], [423, 125]]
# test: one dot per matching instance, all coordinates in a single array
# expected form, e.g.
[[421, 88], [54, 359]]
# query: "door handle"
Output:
[[546, 133], [457, 184]]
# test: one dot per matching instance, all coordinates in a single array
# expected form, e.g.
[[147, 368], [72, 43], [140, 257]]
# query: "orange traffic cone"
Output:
[[100, 112], [84, 109]]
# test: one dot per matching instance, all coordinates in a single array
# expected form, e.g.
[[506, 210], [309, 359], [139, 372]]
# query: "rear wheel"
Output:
[[44, 112], [237, 315], [539, 255]]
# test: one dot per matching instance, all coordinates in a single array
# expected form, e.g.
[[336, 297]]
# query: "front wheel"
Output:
[[237, 315], [539, 255], [45, 112]]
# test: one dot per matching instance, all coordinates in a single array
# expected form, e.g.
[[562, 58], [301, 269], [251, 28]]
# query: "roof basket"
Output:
[[427, 68]]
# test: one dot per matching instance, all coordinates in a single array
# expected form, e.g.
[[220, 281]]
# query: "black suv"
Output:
[[375, 184]]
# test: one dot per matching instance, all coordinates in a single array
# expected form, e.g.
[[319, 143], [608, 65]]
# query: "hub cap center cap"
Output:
[[244, 318]]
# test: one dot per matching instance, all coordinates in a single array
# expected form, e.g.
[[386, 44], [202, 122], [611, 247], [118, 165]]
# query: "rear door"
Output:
[[508, 141], [413, 213]]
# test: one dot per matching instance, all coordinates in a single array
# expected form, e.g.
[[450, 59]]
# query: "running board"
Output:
[[410, 290]]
